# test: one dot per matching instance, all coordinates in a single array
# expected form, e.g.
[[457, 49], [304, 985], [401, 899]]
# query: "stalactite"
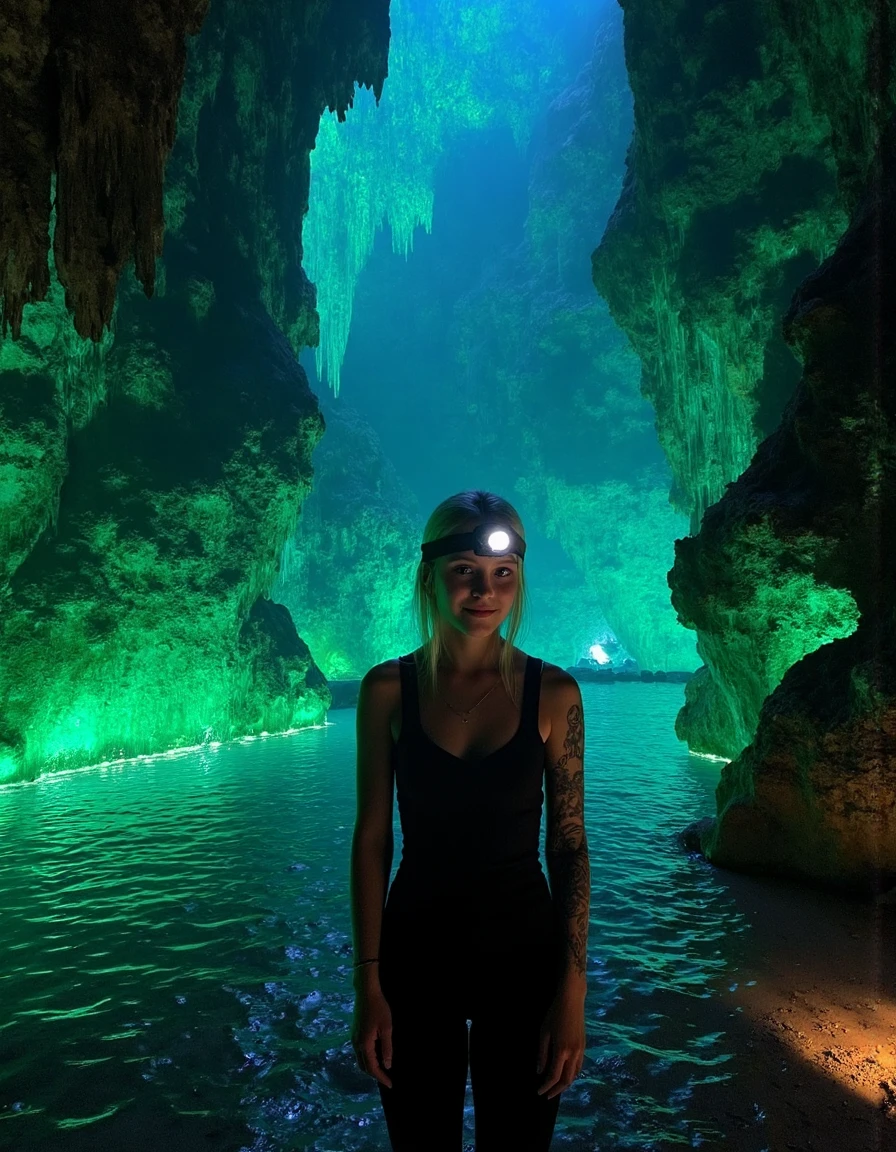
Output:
[[115, 78], [453, 68], [54, 381], [141, 622]]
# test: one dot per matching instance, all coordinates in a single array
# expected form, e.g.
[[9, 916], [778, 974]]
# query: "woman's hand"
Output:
[[372, 1021], [562, 1037]]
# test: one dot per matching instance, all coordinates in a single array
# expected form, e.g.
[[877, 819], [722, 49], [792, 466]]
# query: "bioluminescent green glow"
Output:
[[708, 370], [453, 68], [349, 591], [767, 615], [620, 536], [124, 628]]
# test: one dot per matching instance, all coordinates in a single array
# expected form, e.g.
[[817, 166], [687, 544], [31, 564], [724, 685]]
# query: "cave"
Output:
[[277, 280]]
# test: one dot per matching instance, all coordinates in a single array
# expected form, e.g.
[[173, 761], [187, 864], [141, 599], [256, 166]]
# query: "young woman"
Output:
[[470, 726]]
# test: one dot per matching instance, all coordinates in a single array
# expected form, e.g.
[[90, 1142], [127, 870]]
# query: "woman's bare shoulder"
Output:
[[386, 671], [553, 676], [382, 678]]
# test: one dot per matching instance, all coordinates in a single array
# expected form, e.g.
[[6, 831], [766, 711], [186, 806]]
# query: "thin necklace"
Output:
[[465, 715]]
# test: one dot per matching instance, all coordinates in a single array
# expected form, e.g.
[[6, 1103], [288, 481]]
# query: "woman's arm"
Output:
[[566, 847], [372, 841]]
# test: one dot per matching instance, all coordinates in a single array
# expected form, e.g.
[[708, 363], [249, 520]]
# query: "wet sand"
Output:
[[816, 1033]]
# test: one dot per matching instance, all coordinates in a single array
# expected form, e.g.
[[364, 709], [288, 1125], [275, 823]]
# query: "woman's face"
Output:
[[474, 594]]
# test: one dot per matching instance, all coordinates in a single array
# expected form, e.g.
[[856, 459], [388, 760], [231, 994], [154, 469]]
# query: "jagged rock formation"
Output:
[[90, 96], [282, 686], [790, 582], [165, 472], [348, 571], [815, 793], [743, 170]]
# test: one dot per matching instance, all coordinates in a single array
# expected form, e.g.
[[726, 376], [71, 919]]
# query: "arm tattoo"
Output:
[[567, 848]]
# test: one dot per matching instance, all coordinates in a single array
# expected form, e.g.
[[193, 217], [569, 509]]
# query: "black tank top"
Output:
[[470, 828]]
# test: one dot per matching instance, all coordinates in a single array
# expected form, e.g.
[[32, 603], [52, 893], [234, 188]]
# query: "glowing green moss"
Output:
[[706, 371], [761, 611], [135, 632]]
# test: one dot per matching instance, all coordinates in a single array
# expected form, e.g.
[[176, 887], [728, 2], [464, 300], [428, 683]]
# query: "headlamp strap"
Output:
[[475, 541]]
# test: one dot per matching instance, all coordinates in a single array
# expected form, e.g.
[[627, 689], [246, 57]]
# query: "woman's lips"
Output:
[[481, 611]]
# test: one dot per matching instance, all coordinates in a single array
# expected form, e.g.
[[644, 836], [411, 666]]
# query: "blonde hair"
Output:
[[445, 520]]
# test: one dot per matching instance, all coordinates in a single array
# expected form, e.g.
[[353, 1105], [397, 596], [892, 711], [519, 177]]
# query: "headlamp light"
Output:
[[488, 539]]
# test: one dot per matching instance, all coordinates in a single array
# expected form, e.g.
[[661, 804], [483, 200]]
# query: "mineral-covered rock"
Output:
[[752, 138], [814, 795], [163, 476], [730, 200], [758, 131], [284, 688], [122, 630], [89, 93], [347, 573]]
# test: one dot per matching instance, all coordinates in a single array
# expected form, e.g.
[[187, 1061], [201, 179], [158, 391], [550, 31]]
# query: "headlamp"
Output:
[[489, 539]]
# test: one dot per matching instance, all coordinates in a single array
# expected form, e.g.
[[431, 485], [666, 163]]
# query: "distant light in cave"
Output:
[[597, 653]]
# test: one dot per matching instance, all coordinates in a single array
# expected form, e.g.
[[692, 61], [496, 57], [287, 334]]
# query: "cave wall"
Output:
[[814, 795], [757, 155], [347, 572], [752, 139], [165, 465]]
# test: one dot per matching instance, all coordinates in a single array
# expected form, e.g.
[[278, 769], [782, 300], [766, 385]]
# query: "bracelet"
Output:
[[374, 960]]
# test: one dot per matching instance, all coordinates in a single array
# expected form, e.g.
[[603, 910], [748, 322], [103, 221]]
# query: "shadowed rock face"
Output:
[[165, 468], [757, 130], [743, 170], [815, 793], [730, 199], [89, 93]]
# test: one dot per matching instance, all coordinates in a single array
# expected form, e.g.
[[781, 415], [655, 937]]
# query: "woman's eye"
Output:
[[462, 569]]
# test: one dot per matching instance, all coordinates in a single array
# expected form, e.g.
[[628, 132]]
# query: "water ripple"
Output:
[[177, 947]]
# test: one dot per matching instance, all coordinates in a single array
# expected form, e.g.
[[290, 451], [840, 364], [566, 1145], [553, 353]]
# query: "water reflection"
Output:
[[176, 955]]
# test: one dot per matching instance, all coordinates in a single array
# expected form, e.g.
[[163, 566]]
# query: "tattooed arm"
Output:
[[566, 848]]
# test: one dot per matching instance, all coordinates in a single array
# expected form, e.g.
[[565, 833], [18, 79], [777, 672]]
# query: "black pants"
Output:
[[505, 995]]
